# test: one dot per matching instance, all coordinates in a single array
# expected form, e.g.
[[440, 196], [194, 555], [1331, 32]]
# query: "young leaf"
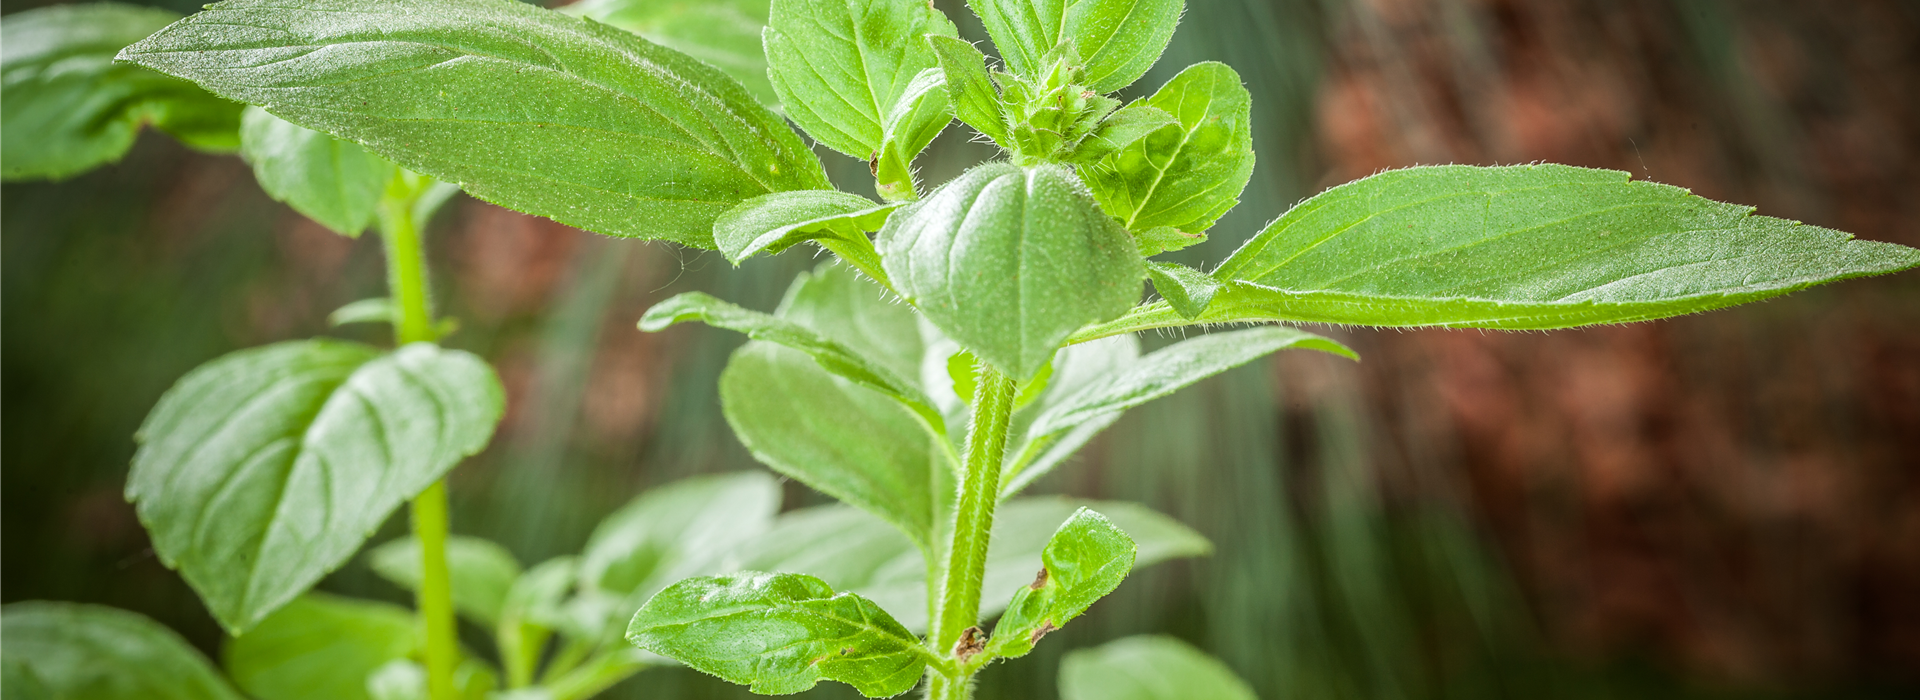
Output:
[[1009, 261], [1531, 246], [333, 182], [69, 650], [838, 437], [971, 93], [482, 572], [528, 108], [780, 634], [851, 551], [1118, 40], [772, 223], [321, 647], [1187, 175], [724, 33], [1119, 130], [263, 470], [1165, 239], [1189, 291], [917, 117], [65, 108], [1087, 558], [675, 531], [842, 66], [1148, 667], [1025, 31], [832, 356]]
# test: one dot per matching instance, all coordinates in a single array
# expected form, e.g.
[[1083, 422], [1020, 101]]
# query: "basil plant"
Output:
[[966, 339]]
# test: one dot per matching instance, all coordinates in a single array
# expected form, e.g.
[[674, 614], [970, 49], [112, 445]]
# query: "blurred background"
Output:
[[1718, 506]]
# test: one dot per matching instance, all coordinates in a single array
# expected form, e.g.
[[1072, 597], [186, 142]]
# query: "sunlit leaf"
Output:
[[1186, 175], [1531, 246], [589, 125], [263, 470]]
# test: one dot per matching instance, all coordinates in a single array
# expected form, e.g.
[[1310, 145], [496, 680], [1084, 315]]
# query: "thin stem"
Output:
[[413, 323], [973, 522]]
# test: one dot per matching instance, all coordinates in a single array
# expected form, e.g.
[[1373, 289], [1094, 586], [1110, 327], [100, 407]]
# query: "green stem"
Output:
[[973, 522], [413, 323]]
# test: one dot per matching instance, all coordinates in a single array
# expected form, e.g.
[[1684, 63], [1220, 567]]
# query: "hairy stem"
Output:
[[413, 323], [973, 523]]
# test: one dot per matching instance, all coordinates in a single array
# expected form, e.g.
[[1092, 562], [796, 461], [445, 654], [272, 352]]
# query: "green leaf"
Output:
[[92, 652], [841, 68], [1076, 367], [263, 470], [18, 681], [375, 310], [917, 117], [832, 356], [1025, 31], [971, 93], [1187, 175], [1189, 291], [1148, 667], [65, 108], [674, 531], [837, 436], [321, 647], [772, 223], [1087, 558], [1165, 239], [849, 550], [529, 614], [1119, 130], [852, 310], [552, 115], [1531, 246], [780, 634], [1118, 40], [1167, 370], [724, 33], [481, 573], [333, 182], [1009, 261]]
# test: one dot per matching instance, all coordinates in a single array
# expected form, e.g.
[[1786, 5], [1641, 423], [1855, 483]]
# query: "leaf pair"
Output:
[[783, 633], [580, 122], [858, 77], [263, 470], [67, 108]]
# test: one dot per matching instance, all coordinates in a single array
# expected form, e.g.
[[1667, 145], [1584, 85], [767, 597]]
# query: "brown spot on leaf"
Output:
[[971, 643], [1039, 580], [1041, 631]]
